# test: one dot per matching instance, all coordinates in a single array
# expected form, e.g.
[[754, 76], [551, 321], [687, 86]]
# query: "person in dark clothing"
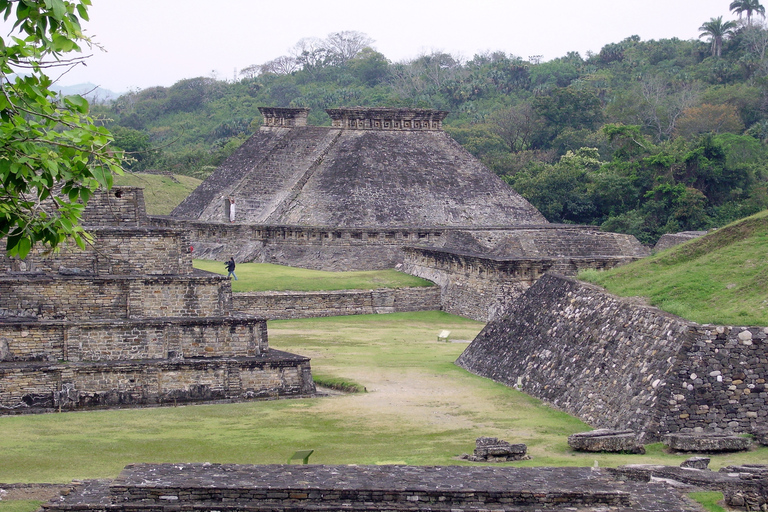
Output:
[[231, 268]]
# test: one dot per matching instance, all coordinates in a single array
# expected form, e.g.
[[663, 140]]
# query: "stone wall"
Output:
[[622, 365], [115, 251], [719, 382], [156, 338], [291, 304], [45, 296], [121, 206], [337, 249], [361, 488], [38, 387], [129, 321], [481, 287]]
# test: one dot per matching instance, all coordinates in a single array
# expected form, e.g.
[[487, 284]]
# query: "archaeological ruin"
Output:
[[129, 321], [619, 364], [380, 188]]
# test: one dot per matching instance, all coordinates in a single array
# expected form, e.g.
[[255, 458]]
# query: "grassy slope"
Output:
[[721, 278], [257, 277], [161, 193]]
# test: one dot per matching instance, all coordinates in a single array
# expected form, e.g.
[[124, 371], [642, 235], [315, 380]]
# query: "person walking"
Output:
[[231, 268]]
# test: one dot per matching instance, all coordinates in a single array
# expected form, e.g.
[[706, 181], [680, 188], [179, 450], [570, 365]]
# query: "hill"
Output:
[[720, 278], [162, 192]]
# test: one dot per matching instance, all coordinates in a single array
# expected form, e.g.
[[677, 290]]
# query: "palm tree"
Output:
[[749, 7], [717, 31]]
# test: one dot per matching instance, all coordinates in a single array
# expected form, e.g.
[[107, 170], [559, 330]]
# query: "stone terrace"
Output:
[[222, 487], [129, 322]]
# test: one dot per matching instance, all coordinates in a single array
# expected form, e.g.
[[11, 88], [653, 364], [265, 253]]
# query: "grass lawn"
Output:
[[161, 193], [260, 277], [419, 409], [20, 505]]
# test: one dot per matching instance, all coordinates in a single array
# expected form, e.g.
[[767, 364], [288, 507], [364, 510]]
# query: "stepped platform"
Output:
[[226, 487], [129, 322]]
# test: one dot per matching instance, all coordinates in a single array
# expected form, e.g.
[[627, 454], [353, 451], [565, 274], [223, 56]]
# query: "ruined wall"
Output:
[[45, 296], [129, 321], [290, 304], [59, 341], [479, 287], [35, 387], [719, 383], [618, 364], [115, 251]]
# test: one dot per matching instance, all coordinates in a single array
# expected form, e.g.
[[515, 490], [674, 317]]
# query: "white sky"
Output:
[[158, 42]]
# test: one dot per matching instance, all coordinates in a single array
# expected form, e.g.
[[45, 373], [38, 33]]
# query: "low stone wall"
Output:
[[292, 304], [481, 287], [48, 296], [621, 365], [229, 488], [335, 249], [40, 387], [121, 340]]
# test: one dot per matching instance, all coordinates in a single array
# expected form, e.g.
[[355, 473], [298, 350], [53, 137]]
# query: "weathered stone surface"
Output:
[[130, 322], [355, 176], [292, 304], [617, 363], [168, 487], [740, 489], [696, 463], [606, 440], [761, 435], [707, 443], [350, 196], [492, 449], [672, 239]]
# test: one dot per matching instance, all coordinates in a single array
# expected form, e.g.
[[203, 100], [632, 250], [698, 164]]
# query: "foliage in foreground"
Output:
[[258, 277], [52, 156], [720, 278]]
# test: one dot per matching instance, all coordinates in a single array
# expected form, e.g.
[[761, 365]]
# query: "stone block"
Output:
[[761, 435], [606, 440], [696, 463], [491, 449], [707, 443]]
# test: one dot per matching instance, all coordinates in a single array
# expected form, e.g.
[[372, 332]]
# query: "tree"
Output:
[[52, 155], [717, 31], [709, 119], [749, 7], [345, 45], [516, 126]]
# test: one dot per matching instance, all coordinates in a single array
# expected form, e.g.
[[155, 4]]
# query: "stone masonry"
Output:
[[128, 321], [231, 488], [621, 365], [351, 196]]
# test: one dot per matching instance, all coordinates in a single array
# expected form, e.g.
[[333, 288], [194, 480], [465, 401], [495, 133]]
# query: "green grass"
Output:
[[259, 277], [161, 193], [708, 499], [20, 505], [338, 384], [419, 409], [720, 278]]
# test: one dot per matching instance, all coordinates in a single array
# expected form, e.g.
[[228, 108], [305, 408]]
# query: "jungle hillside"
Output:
[[644, 137]]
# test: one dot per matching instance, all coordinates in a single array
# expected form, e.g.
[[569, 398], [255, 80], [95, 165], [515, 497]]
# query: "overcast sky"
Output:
[[158, 42]]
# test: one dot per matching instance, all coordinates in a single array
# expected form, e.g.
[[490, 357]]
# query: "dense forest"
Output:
[[644, 137]]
